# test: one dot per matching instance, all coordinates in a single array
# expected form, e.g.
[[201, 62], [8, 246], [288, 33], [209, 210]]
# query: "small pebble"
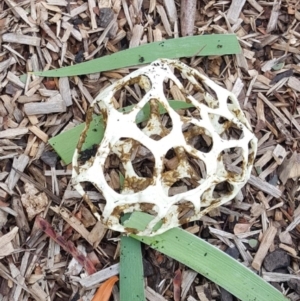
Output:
[[205, 234], [233, 252], [253, 243], [276, 285], [79, 56], [225, 295], [295, 285], [276, 260], [274, 180], [148, 269], [106, 14]]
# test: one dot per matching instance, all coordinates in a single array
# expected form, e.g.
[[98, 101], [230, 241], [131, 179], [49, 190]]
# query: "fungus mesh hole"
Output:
[[182, 171], [228, 130], [157, 121], [233, 160], [198, 137], [222, 189], [114, 172], [131, 93], [138, 164], [186, 211]]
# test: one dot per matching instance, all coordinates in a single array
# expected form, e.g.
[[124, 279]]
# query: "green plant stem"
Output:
[[218, 44], [207, 260], [131, 270]]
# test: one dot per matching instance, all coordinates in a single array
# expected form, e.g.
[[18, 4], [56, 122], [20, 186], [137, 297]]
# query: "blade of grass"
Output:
[[217, 44], [96, 131], [131, 270], [207, 260], [131, 266]]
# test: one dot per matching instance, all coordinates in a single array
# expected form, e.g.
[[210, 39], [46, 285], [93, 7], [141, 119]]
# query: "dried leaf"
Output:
[[177, 284], [50, 84], [104, 291], [68, 246]]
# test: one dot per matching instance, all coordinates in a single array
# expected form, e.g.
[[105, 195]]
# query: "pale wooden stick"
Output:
[[100, 276], [56, 106], [152, 295], [21, 39], [12, 133], [258, 7], [187, 17], [164, 19], [171, 10], [92, 4], [137, 33], [65, 92], [274, 16], [235, 10], [265, 244], [294, 83]]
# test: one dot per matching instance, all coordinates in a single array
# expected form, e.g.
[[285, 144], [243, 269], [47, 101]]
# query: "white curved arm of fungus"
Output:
[[209, 150]]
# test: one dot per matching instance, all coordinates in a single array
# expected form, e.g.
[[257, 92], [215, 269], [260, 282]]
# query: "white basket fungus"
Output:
[[177, 165]]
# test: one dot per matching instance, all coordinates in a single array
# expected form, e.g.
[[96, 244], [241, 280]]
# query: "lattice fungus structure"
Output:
[[176, 165]]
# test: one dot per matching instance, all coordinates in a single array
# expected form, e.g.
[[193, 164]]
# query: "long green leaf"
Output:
[[131, 266], [66, 142], [131, 270], [208, 261], [218, 44]]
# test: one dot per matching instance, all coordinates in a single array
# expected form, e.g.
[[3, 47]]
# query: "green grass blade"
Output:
[[208, 261], [218, 44], [65, 143], [131, 270]]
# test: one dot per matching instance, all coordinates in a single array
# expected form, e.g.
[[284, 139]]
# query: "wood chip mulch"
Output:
[[259, 228]]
